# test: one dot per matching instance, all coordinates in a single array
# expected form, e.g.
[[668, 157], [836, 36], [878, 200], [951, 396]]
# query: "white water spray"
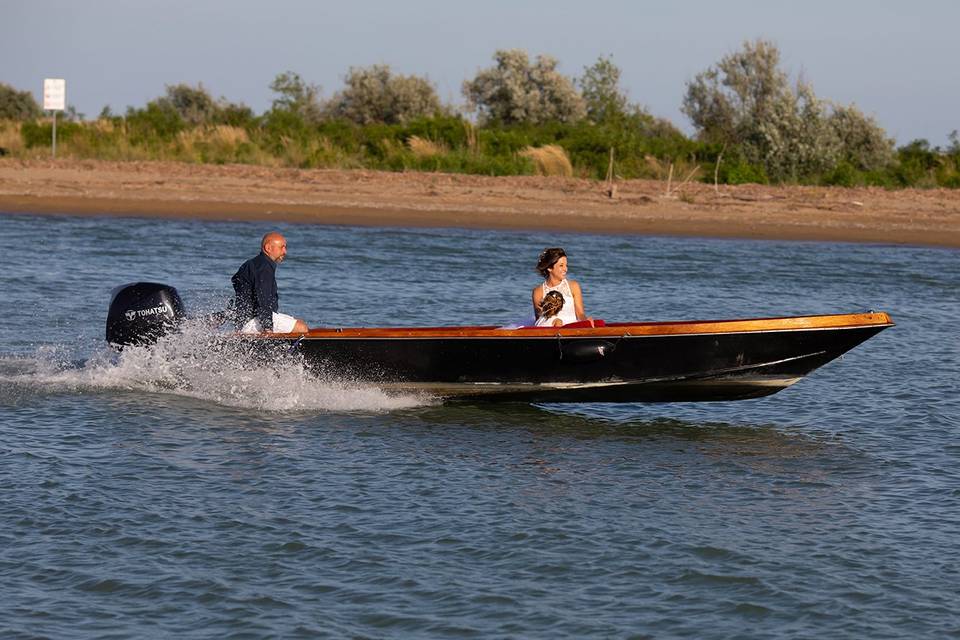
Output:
[[199, 362]]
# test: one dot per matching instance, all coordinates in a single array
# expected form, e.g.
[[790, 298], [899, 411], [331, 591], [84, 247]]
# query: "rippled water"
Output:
[[171, 494]]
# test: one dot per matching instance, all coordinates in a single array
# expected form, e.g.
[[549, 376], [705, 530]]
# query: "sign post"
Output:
[[54, 99]]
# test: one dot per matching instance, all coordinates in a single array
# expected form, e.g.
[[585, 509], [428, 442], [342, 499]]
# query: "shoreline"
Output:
[[381, 199]]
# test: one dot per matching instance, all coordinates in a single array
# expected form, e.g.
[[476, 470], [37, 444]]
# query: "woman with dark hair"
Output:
[[552, 265]]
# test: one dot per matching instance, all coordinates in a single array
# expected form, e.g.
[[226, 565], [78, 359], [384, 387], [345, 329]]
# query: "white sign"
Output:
[[54, 94]]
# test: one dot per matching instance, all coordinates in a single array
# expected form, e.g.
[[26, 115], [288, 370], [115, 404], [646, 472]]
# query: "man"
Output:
[[257, 300]]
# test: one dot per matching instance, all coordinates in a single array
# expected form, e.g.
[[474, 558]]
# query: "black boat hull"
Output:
[[679, 362]]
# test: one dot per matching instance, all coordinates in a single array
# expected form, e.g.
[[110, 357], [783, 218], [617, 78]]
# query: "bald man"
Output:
[[255, 284]]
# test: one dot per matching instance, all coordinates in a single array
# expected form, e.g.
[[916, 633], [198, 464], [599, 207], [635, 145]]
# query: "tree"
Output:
[[793, 138], [193, 104], [515, 91], [296, 96], [727, 102], [863, 143], [375, 94], [600, 87], [235, 114], [17, 105], [746, 102], [71, 114]]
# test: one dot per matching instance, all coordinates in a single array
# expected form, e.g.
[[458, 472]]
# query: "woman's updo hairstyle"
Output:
[[548, 258], [551, 304]]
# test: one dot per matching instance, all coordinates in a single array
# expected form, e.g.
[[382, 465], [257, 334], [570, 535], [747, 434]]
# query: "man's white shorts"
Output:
[[282, 323]]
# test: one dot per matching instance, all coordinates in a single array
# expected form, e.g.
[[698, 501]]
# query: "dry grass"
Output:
[[187, 140], [103, 126], [550, 160], [219, 143], [473, 140], [221, 136], [423, 148], [390, 148], [656, 168], [10, 139], [226, 135], [292, 153]]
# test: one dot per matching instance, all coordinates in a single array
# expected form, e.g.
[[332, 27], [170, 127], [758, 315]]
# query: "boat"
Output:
[[687, 361]]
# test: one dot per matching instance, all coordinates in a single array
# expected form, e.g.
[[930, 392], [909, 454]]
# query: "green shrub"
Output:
[[863, 143], [17, 105], [742, 172], [916, 164], [297, 96], [516, 91], [40, 134], [194, 105], [605, 101], [843, 175], [746, 101], [235, 115], [153, 125], [451, 131], [950, 181], [376, 95]]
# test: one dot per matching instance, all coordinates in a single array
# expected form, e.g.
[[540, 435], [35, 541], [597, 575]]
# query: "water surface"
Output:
[[171, 494]]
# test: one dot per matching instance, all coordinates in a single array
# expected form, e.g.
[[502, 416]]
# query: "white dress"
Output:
[[569, 312], [546, 321]]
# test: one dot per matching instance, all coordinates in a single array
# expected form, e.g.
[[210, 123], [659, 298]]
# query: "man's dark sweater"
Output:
[[255, 283]]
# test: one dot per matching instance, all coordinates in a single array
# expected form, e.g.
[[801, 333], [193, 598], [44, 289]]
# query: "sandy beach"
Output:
[[358, 197]]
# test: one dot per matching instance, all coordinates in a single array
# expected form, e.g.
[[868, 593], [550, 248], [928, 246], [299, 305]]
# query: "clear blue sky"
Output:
[[896, 60]]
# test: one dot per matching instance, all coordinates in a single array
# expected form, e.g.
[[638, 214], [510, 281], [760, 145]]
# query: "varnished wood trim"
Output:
[[838, 321]]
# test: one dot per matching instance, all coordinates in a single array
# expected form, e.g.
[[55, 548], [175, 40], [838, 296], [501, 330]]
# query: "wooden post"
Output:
[[611, 188], [716, 170]]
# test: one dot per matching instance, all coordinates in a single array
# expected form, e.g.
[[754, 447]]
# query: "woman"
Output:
[[553, 267]]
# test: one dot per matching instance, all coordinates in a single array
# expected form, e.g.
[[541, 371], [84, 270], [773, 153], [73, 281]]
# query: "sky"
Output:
[[897, 61]]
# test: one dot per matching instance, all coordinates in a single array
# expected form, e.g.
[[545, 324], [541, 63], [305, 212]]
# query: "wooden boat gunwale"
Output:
[[610, 330]]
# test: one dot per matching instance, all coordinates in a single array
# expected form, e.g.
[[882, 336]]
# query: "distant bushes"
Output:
[[752, 126], [515, 91], [375, 95], [746, 103], [643, 148], [437, 143], [17, 105]]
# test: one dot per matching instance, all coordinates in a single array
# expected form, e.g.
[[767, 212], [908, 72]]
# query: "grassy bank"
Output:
[[640, 146]]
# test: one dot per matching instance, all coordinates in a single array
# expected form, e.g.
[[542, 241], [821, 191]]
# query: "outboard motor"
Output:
[[141, 312]]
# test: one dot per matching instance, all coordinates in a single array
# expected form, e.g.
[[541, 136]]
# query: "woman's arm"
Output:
[[578, 301], [537, 299]]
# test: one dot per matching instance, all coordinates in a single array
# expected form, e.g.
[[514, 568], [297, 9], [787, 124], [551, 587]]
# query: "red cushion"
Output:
[[581, 324], [584, 324]]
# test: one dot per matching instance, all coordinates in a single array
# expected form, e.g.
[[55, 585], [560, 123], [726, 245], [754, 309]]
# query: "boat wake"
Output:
[[198, 362]]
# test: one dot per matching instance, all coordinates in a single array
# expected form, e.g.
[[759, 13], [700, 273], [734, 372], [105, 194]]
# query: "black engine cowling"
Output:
[[141, 312]]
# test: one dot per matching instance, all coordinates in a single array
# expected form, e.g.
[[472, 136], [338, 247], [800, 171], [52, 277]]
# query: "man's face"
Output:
[[276, 249]]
